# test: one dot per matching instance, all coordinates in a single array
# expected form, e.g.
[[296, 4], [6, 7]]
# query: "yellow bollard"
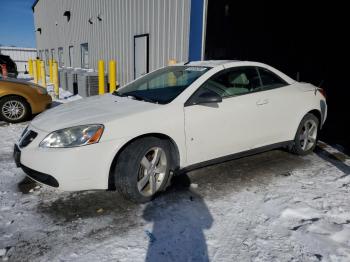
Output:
[[38, 71], [30, 67], [112, 76], [35, 72], [172, 80], [51, 70], [172, 62], [101, 77], [55, 78], [43, 73]]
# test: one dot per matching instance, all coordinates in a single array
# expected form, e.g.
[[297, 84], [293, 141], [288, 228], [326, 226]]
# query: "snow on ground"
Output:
[[269, 207]]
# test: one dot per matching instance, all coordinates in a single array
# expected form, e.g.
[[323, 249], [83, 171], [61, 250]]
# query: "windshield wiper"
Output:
[[136, 97], [116, 93], [141, 98]]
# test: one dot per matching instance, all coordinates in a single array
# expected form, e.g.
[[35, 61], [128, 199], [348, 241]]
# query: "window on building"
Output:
[[53, 56], [47, 57], [70, 54], [84, 55], [60, 57]]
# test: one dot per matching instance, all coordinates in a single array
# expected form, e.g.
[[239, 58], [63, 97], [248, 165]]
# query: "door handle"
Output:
[[262, 102]]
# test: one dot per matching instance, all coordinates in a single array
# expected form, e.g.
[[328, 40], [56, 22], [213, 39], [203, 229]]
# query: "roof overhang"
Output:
[[33, 6]]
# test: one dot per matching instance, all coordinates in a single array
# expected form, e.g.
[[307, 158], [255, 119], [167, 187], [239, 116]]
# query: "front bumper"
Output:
[[68, 169], [35, 175]]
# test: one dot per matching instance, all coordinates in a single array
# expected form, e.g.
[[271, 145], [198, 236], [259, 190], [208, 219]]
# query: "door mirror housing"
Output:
[[205, 96]]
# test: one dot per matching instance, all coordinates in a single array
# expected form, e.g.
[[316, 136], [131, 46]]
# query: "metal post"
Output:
[[51, 70], [35, 71], [55, 79], [38, 71], [112, 76], [30, 67], [101, 77], [43, 73], [171, 77], [172, 62]]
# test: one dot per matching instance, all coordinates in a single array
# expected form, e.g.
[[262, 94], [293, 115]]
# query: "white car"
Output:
[[173, 119]]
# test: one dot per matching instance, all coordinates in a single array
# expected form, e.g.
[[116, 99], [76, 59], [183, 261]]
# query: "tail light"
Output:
[[323, 92]]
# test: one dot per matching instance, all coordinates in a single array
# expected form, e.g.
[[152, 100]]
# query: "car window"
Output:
[[270, 80], [163, 85], [235, 81]]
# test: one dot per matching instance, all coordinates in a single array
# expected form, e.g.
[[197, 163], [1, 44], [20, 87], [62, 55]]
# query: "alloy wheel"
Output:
[[13, 110], [152, 171], [308, 135]]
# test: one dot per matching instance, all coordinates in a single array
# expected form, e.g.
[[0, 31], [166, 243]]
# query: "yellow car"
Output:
[[19, 100]]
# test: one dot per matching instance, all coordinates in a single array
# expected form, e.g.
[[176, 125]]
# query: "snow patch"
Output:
[[300, 213]]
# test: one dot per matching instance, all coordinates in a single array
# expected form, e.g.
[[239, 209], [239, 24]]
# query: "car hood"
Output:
[[93, 110]]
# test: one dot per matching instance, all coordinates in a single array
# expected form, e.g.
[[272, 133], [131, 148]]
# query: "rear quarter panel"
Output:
[[309, 99]]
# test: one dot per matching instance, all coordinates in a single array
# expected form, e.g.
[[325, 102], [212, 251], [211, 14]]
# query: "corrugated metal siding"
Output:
[[19, 55], [166, 21]]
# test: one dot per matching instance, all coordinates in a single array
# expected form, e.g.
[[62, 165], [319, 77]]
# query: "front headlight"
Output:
[[73, 137]]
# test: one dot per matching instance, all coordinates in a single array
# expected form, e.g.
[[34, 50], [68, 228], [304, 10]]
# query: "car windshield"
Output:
[[164, 85]]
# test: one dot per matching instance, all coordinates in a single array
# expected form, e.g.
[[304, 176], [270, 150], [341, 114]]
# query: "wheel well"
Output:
[[30, 107], [173, 147], [317, 114]]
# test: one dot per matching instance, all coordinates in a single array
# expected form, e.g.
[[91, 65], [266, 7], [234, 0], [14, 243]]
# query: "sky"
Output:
[[17, 23]]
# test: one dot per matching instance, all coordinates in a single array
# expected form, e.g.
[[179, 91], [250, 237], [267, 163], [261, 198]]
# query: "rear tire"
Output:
[[142, 169], [14, 109], [306, 137]]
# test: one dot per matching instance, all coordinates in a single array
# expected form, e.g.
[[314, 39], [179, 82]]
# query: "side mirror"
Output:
[[205, 97]]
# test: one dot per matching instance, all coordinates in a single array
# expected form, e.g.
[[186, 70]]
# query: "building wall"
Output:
[[166, 21], [19, 55]]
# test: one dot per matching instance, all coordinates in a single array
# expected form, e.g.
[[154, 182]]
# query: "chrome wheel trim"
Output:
[[152, 171], [308, 135], [13, 110]]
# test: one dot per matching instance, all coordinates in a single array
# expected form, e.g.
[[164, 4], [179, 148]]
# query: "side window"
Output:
[[270, 80], [53, 56], [84, 55], [47, 56], [235, 81], [70, 54], [60, 57]]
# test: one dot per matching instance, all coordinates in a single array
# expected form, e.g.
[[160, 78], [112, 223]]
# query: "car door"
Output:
[[276, 104], [232, 126]]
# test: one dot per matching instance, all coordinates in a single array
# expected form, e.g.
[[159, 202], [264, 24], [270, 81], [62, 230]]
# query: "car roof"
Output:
[[232, 63], [211, 63]]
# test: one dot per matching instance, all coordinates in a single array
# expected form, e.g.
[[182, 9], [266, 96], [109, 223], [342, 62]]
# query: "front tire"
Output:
[[142, 169], [14, 109], [306, 137]]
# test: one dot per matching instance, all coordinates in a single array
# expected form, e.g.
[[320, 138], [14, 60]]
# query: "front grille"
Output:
[[27, 138]]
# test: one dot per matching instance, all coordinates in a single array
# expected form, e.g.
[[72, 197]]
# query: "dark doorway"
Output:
[[299, 38]]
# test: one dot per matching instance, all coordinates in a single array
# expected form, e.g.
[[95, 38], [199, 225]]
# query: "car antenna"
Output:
[[187, 63]]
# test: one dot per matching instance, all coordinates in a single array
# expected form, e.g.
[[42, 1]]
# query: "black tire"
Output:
[[22, 102], [127, 170], [297, 145]]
